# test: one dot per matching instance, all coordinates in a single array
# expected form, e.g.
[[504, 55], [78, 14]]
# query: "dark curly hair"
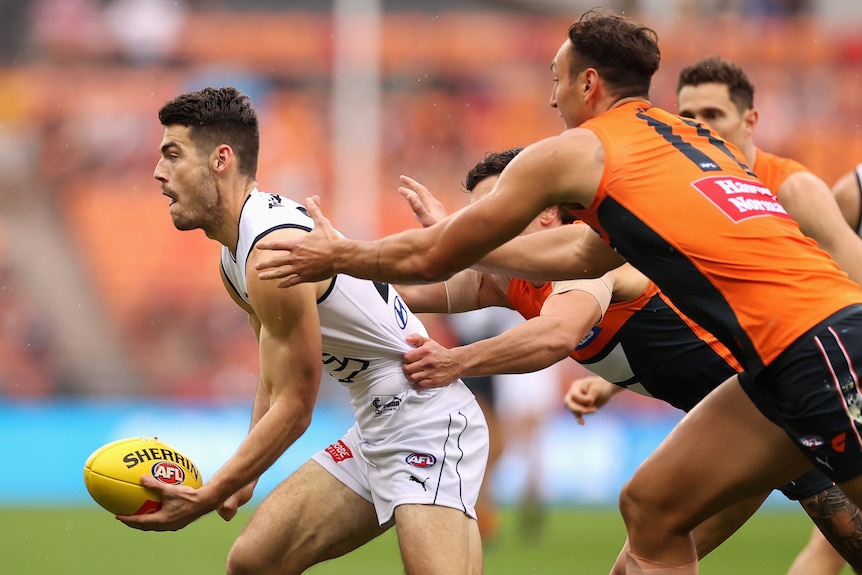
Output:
[[493, 164], [218, 116]]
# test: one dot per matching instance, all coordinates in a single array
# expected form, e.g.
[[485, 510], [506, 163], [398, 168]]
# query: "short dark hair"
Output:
[[718, 71], [493, 164], [218, 116], [625, 54]]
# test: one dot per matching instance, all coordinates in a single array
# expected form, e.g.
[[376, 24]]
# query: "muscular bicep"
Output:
[[566, 252], [553, 171], [810, 202], [846, 192], [289, 336]]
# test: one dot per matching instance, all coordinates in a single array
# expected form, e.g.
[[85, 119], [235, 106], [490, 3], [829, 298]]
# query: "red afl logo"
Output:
[[421, 460], [168, 472]]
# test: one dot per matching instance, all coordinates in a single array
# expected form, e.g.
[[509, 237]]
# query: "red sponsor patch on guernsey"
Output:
[[740, 199], [339, 451]]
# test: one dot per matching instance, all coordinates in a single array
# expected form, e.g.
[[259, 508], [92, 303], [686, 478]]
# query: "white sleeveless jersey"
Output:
[[363, 326]]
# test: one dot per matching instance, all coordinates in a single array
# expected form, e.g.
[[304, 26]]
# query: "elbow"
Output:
[[560, 348], [303, 421], [431, 269]]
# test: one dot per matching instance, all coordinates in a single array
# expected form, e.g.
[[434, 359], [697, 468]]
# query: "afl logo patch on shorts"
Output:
[[811, 441], [422, 460]]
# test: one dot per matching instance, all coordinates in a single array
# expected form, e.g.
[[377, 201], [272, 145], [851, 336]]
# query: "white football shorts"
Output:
[[435, 460]]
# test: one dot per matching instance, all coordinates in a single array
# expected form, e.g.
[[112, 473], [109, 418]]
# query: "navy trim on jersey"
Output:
[[678, 278], [382, 289], [272, 229], [328, 291], [230, 283]]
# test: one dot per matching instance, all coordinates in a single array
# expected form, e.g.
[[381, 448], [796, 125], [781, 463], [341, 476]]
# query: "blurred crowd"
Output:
[[81, 82]]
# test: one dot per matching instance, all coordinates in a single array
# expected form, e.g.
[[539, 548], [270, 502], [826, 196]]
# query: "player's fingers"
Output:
[[312, 204], [414, 185], [415, 339], [153, 484], [273, 267], [290, 280]]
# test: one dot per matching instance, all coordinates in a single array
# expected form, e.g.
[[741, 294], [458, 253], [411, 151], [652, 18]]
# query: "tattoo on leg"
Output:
[[840, 521]]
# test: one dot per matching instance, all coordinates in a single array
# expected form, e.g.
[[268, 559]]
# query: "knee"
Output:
[[635, 502], [243, 559], [647, 507], [239, 561]]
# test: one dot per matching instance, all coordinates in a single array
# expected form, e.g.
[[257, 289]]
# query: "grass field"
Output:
[[575, 540]]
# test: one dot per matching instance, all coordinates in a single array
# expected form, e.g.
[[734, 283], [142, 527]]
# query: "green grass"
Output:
[[574, 540]]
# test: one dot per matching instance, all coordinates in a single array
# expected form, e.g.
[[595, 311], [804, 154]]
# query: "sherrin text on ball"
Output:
[[113, 473]]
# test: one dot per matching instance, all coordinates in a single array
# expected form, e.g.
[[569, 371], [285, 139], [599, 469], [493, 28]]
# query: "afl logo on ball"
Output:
[[168, 472], [421, 460]]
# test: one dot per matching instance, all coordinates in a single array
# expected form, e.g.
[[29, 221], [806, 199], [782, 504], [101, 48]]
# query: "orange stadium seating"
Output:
[[455, 86]]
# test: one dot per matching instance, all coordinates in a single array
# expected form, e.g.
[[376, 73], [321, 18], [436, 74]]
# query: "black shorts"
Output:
[[806, 485], [812, 390]]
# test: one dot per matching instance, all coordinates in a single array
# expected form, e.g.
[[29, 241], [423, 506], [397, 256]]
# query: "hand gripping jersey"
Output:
[[676, 203], [642, 344], [363, 325]]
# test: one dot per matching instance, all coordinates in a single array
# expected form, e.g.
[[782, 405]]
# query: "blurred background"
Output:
[[114, 324]]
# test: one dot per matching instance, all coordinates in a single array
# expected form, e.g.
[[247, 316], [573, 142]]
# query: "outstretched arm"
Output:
[[565, 252], [530, 346], [547, 255], [554, 171]]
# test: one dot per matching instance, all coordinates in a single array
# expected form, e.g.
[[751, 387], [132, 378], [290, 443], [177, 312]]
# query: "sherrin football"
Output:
[[113, 473]]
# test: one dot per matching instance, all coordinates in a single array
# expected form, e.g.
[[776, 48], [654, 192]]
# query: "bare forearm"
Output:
[[267, 440], [567, 252], [527, 347]]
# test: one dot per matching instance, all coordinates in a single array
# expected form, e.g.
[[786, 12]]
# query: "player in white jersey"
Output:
[[413, 458]]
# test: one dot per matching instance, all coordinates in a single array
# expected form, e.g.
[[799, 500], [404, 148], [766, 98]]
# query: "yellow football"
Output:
[[113, 473]]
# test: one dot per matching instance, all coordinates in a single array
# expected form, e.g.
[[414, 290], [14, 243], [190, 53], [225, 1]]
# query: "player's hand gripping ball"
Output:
[[113, 473]]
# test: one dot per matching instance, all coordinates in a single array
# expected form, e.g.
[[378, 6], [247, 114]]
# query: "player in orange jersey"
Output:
[[679, 204], [719, 94], [641, 343]]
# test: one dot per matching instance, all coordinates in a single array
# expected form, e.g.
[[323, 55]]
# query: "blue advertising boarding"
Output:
[[46, 444]]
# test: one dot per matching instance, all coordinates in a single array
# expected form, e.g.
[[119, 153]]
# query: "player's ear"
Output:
[[549, 215], [749, 119], [221, 158]]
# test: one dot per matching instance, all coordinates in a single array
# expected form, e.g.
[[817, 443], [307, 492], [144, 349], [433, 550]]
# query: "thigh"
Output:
[[310, 517], [723, 451], [438, 540], [715, 530]]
